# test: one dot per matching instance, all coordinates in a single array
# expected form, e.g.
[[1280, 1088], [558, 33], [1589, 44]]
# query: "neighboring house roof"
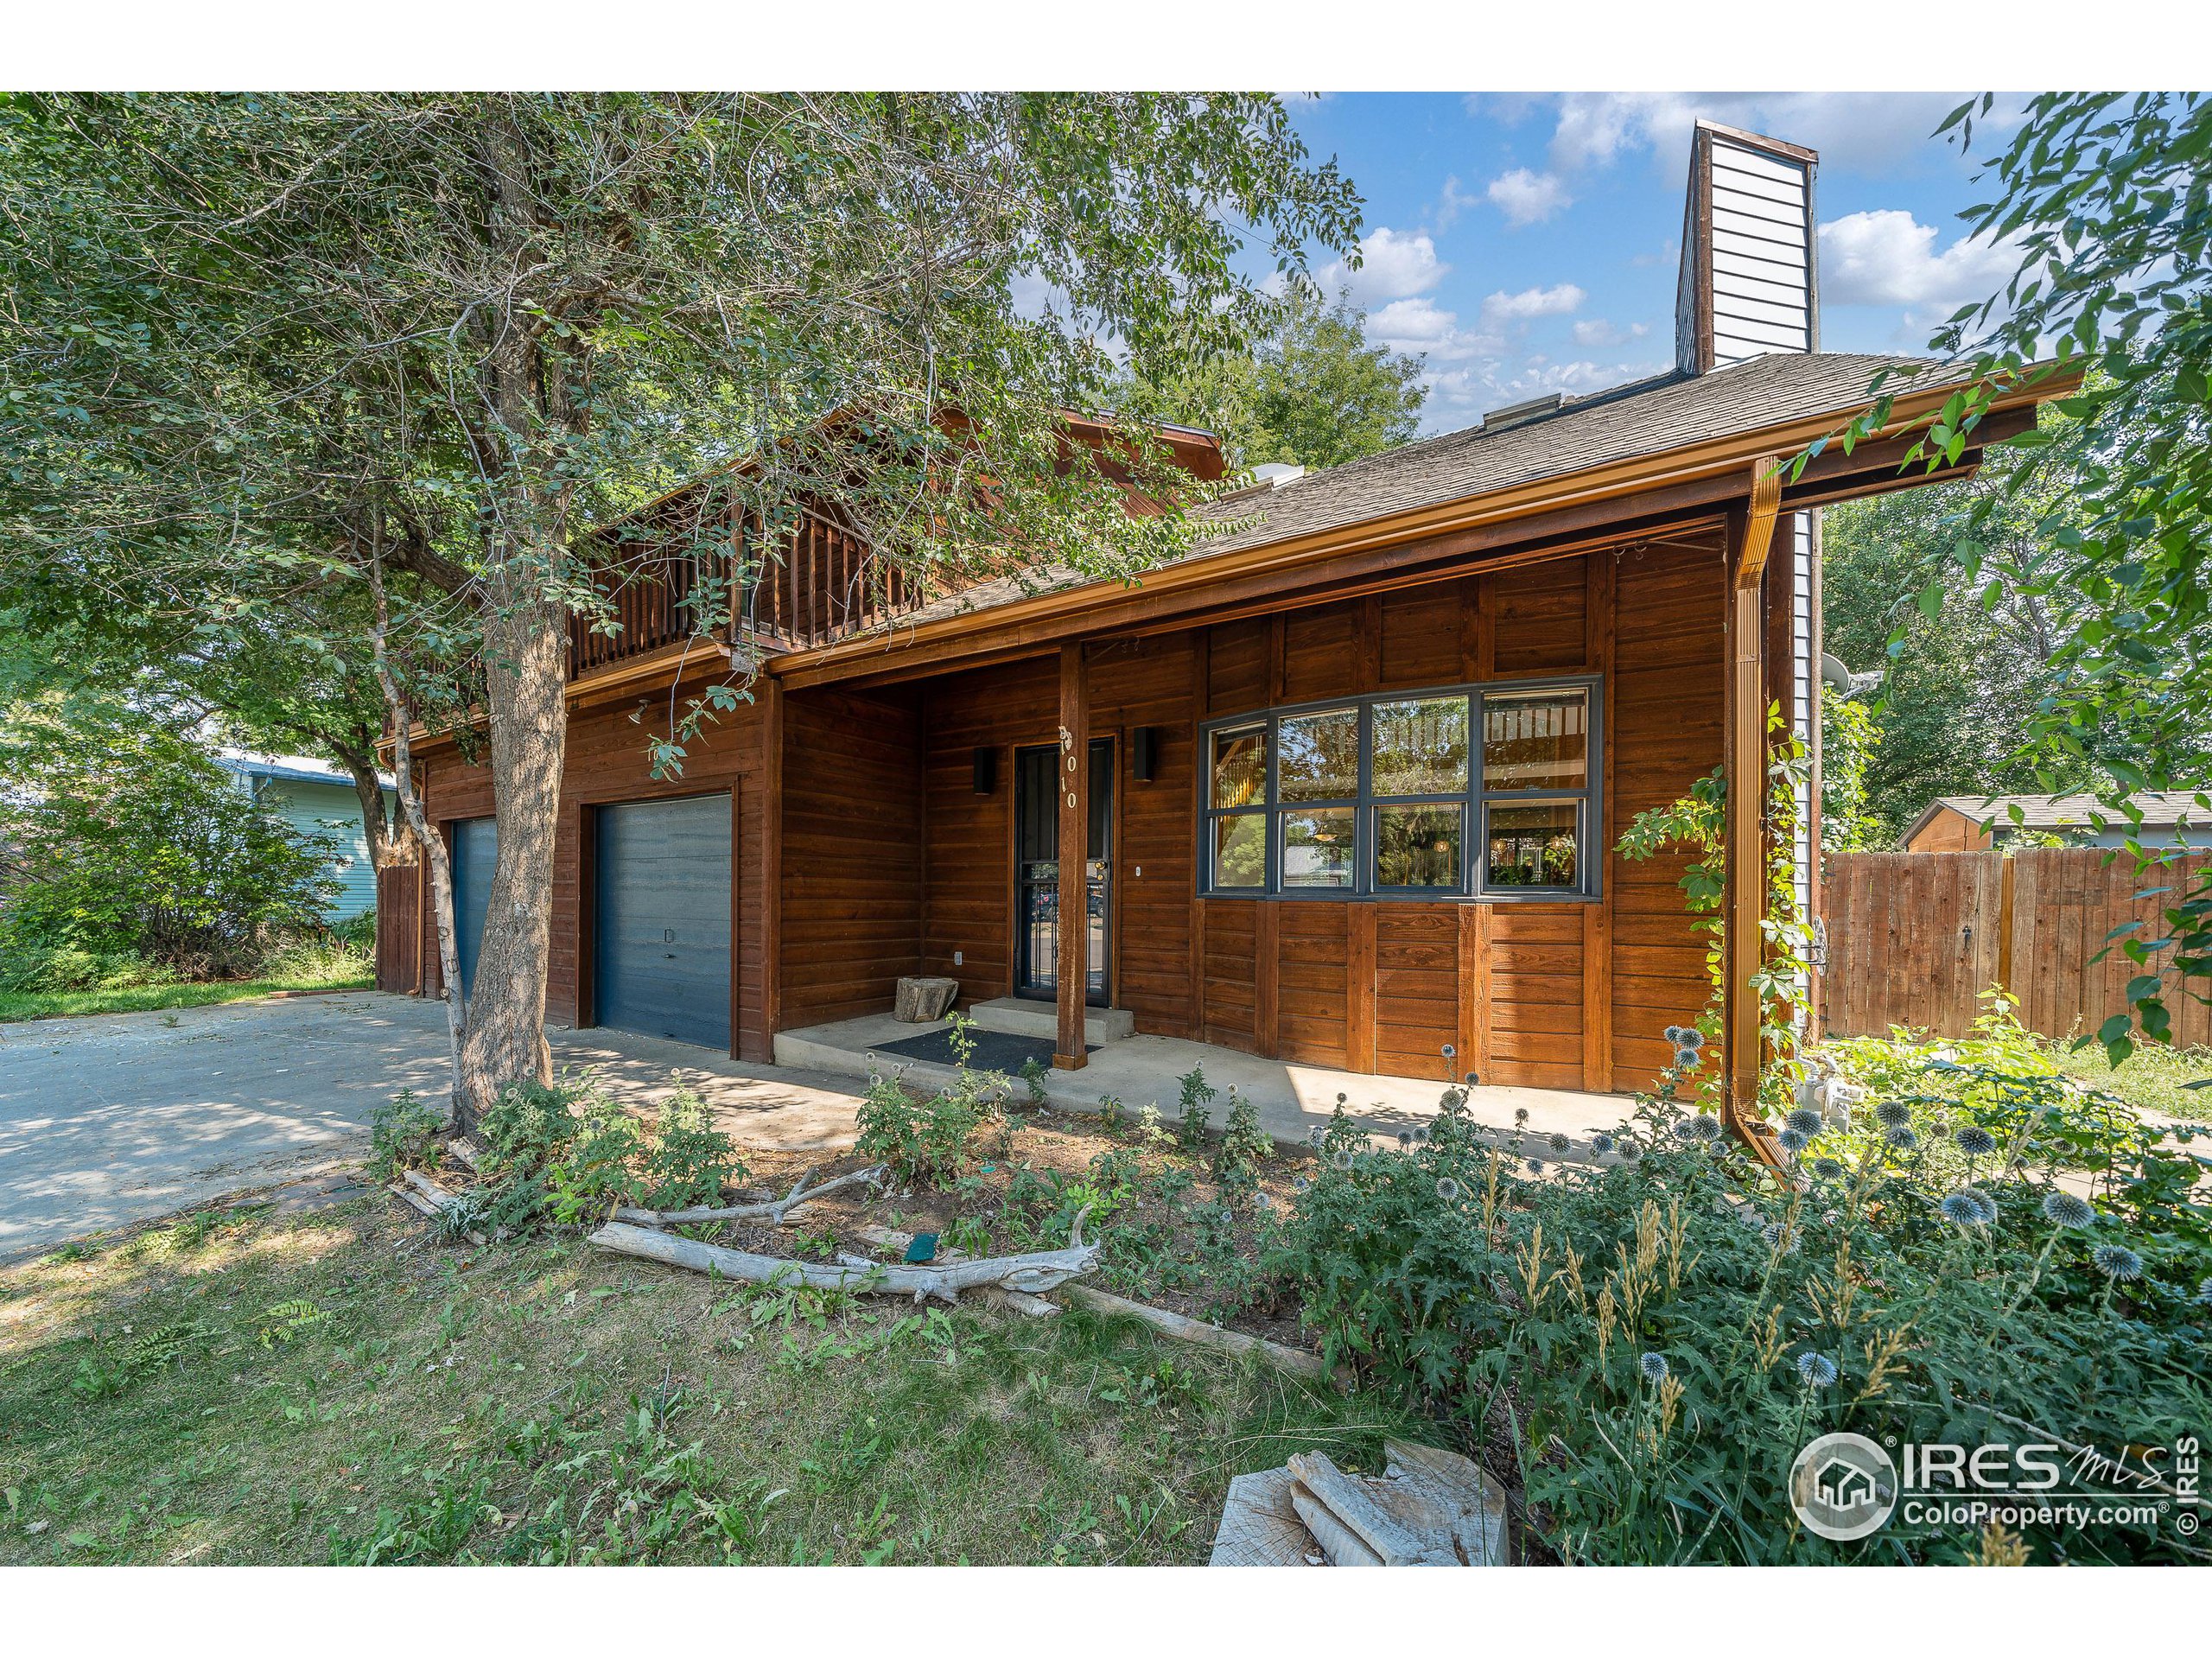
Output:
[[2167, 808], [1643, 417], [292, 768]]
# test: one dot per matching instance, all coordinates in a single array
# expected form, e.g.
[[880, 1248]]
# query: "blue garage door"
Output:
[[662, 951], [475, 843]]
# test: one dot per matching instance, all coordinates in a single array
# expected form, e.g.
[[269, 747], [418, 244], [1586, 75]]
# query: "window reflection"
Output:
[[1417, 846], [1320, 757], [1420, 747], [1317, 847], [1533, 846], [1536, 742]]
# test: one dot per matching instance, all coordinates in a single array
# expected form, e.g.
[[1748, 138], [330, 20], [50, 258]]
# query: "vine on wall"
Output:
[[1698, 823]]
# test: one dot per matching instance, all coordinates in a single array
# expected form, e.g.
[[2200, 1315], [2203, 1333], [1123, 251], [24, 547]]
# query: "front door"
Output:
[[1037, 870]]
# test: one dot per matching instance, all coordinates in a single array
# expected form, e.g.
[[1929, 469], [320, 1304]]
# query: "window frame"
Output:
[[1473, 801]]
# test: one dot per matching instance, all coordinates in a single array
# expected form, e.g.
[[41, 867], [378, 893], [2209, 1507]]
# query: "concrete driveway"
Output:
[[120, 1118]]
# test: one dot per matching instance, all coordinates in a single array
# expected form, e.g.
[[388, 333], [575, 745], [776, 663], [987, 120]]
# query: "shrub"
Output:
[[1649, 1340], [533, 1124], [1197, 1095], [596, 1171], [403, 1134], [139, 846], [925, 1137], [922, 1138], [1244, 1146], [692, 1162]]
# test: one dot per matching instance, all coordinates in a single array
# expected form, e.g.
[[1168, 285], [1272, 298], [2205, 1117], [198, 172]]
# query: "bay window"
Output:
[[1480, 791]]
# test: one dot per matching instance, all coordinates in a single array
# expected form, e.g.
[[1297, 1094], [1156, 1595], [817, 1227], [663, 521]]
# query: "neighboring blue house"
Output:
[[317, 799]]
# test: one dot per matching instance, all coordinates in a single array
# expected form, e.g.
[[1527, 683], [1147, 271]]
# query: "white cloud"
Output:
[[1597, 332], [1452, 202], [1419, 325], [1526, 198], [1859, 131], [1559, 300], [1393, 265], [1889, 258]]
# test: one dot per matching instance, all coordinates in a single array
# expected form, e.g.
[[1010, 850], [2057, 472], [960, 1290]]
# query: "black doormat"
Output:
[[995, 1051]]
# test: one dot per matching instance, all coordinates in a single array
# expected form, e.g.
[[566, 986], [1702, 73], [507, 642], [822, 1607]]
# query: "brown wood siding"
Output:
[[1665, 703], [853, 813], [891, 863], [1540, 620], [1139, 683], [1550, 996], [606, 762], [968, 903], [1950, 830]]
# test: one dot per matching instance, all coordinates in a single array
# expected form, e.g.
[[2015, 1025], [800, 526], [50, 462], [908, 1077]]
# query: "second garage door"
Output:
[[662, 941]]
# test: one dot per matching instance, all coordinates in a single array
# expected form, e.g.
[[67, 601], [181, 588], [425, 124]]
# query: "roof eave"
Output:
[[1707, 459]]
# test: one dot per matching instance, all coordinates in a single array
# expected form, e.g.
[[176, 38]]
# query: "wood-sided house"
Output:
[[1347, 781]]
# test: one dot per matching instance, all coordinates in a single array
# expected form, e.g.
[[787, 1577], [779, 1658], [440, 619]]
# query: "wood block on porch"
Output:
[[923, 998]]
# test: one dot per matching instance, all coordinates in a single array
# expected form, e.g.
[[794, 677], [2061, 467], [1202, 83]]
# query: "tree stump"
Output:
[[923, 998]]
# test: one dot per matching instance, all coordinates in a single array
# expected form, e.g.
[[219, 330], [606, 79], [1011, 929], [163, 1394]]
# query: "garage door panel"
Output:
[[475, 850], [663, 919]]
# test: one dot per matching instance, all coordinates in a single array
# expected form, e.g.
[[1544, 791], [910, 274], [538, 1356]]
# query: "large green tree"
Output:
[[1965, 668], [2107, 199], [1314, 391], [409, 350]]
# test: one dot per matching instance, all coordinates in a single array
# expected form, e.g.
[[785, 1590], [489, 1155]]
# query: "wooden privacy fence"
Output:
[[399, 908], [1916, 939]]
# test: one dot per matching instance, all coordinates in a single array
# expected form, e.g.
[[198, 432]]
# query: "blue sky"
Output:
[[1529, 242]]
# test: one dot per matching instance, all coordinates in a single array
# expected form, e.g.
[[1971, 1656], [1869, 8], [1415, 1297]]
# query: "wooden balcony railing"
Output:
[[822, 585]]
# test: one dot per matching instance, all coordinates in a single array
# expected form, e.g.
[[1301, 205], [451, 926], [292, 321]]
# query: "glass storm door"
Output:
[[1037, 870]]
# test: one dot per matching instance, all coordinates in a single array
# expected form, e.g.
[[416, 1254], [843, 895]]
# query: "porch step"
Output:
[[1022, 1018]]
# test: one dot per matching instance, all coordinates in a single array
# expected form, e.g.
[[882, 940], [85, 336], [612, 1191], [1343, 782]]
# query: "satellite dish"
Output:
[[1833, 672]]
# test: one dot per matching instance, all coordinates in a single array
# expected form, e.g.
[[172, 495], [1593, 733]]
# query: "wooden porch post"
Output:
[[1744, 752], [1072, 964]]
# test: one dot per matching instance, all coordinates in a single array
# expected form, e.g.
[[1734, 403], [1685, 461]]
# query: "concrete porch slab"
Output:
[[1293, 1100], [1025, 1018]]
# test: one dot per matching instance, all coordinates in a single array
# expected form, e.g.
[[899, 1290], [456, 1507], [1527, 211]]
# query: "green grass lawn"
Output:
[[2153, 1077], [338, 1386], [54, 1005]]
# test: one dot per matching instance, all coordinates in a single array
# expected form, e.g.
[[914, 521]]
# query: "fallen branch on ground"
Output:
[[1042, 1271], [1211, 1336], [1017, 1301], [427, 1196], [773, 1210]]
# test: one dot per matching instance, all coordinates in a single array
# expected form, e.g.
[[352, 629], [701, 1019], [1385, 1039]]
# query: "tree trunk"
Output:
[[432, 844], [390, 843], [524, 637]]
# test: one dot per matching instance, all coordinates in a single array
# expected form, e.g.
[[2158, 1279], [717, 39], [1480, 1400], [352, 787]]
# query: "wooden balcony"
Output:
[[821, 585]]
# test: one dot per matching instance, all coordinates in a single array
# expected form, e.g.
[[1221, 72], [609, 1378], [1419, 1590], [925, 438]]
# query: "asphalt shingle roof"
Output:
[[2161, 809], [1642, 417]]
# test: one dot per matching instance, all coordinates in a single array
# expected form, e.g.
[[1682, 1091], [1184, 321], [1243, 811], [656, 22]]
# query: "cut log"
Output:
[[920, 999], [1042, 1271], [1425, 1481], [1353, 1502], [1210, 1336], [1339, 1542], [1431, 1508], [775, 1210], [1259, 1528]]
